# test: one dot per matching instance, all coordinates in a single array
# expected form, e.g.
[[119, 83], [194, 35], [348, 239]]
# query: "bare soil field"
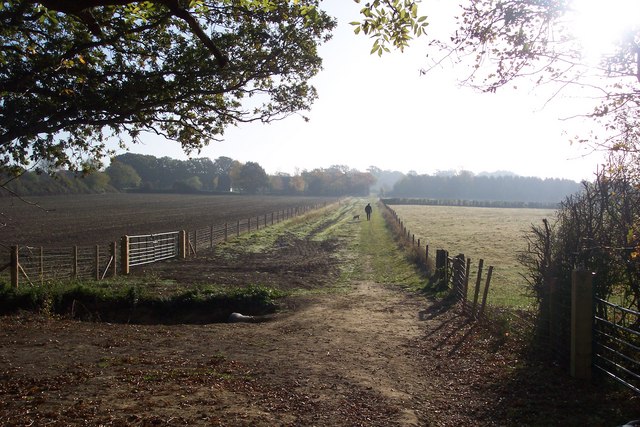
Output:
[[347, 348], [99, 218]]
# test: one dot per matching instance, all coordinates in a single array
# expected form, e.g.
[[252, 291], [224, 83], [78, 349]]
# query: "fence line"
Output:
[[37, 265], [607, 340], [452, 273]]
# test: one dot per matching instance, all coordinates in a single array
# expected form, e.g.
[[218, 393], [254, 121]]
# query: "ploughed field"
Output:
[[351, 345], [100, 218]]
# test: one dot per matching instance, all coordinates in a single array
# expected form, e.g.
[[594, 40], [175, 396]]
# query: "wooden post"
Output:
[[238, 229], [581, 323], [257, 223], [458, 276], [477, 290], [97, 262], [467, 273], [15, 266], [226, 231], [182, 244], [418, 243], [426, 254], [124, 255], [553, 318], [486, 291], [442, 279], [271, 218], [211, 237], [74, 263]]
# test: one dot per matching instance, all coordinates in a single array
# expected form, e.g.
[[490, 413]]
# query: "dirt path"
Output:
[[342, 360], [370, 354], [346, 350]]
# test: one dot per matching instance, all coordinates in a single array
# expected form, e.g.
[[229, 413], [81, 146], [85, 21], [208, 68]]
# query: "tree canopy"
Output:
[[74, 74]]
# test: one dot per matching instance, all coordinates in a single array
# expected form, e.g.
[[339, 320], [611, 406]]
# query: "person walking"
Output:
[[368, 210]]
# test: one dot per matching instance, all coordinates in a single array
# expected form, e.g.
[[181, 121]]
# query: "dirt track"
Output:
[[370, 355]]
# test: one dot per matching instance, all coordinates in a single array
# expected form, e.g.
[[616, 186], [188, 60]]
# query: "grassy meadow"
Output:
[[495, 235]]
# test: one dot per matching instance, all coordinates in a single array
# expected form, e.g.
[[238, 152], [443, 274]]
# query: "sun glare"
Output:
[[598, 24]]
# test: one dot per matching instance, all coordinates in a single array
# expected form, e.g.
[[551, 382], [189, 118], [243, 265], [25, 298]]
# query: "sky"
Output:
[[380, 111]]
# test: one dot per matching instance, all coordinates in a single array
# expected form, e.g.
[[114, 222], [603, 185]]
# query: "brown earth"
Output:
[[368, 354]]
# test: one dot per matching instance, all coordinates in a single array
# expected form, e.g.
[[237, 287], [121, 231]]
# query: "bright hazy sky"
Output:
[[381, 112]]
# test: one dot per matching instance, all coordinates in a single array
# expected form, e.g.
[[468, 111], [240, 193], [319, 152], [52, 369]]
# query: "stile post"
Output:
[[124, 254], [15, 265], [581, 323]]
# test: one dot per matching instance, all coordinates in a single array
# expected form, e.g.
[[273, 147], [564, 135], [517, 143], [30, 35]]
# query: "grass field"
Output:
[[495, 235]]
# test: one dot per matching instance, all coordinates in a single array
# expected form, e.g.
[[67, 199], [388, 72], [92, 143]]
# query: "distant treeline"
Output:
[[469, 203], [145, 173], [54, 183], [485, 189]]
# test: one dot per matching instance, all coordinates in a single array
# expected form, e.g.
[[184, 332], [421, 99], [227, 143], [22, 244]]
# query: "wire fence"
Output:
[[560, 324], [40, 265]]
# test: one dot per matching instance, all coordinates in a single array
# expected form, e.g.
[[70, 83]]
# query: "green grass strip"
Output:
[[380, 259]]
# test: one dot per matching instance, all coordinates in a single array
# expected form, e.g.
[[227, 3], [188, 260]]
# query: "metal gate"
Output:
[[149, 248], [617, 343]]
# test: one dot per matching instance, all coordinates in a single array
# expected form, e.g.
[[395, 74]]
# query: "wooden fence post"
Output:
[[182, 244], [441, 275], [465, 292], [226, 231], [458, 276], [486, 291], [581, 323], [124, 254], [211, 237], [15, 266], [477, 289]]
